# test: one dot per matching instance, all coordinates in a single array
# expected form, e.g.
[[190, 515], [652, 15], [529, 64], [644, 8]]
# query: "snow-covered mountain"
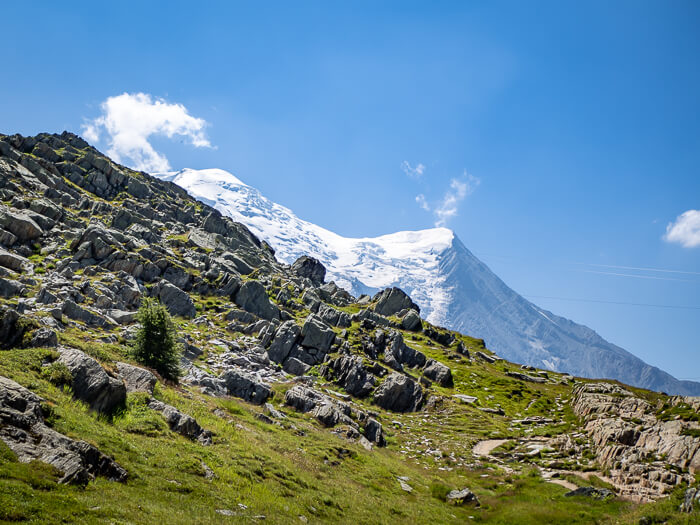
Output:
[[453, 288]]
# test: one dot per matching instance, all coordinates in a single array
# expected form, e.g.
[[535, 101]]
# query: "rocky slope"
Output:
[[298, 400], [452, 286]]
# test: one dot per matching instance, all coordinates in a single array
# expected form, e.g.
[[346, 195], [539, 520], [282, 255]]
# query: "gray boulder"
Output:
[[91, 383], [439, 373], [136, 379], [245, 386], [295, 367], [302, 398], [333, 317], [349, 373], [175, 300], [10, 288], [591, 492], [317, 334], [526, 377], [285, 338], [399, 393], [461, 497], [412, 322], [11, 331], [252, 297], [44, 338], [79, 313], [24, 431], [310, 268], [13, 261], [181, 423], [374, 432], [20, 225], [392, 300]]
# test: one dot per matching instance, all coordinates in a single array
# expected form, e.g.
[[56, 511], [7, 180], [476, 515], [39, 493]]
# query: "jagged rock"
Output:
[[627, 449], [11, 329], [368, 315], [6, 238], [295, 367], [591, 492], [310, 268], [463, 350], [439, 373], [317, 334], [122, 317], [401, 353], [399, 393], [96, 242], [273, 412], [13, 261], [441, 338], [374, 432], [91, 383], [44, 338], [175, 300], [136, 379], [285, 338], [333, 317], [23, 429], [526, 377], [412, 321], [691, 499], [20, 225], [181, 423], [137, 188], [392, 300], [302, 398], [461, 497], [10, 288], [79, 313], [245, 386], [349, 373], [252, 297], [46, 208], [485, 357]]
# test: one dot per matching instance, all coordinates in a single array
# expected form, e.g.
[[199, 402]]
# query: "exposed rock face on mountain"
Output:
[[452, 287], [23, 429], [644, 452]]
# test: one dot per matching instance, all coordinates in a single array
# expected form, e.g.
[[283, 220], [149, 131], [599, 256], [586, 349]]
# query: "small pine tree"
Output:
[[155, 344]]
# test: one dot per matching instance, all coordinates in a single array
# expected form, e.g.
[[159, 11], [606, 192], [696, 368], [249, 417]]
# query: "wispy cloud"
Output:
[[131, 119], [422, 202], [685, 230], [448, 207], [415, 172]]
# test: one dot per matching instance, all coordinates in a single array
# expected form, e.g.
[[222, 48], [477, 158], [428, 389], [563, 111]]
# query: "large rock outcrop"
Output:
[[399, 393], [91, 383], [23, 429]]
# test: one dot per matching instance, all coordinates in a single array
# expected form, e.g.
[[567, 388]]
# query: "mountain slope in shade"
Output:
[[453, 288]]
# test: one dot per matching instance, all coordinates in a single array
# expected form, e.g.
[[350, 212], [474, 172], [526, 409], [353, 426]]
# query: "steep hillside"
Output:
[[298, 401], [452, 287]]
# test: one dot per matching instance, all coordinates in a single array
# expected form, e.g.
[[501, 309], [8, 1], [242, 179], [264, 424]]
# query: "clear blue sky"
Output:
[[579, 119]]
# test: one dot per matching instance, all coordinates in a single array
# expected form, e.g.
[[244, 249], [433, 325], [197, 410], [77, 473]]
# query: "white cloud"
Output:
[[449, 206], [685, 230], [131, 119], [413, 172], [420, 199]]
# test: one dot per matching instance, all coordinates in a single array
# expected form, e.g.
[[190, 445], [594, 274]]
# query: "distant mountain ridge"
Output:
[[453, 287]]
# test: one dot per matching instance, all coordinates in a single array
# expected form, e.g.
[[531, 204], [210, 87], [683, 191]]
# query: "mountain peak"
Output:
[[452, 287]]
